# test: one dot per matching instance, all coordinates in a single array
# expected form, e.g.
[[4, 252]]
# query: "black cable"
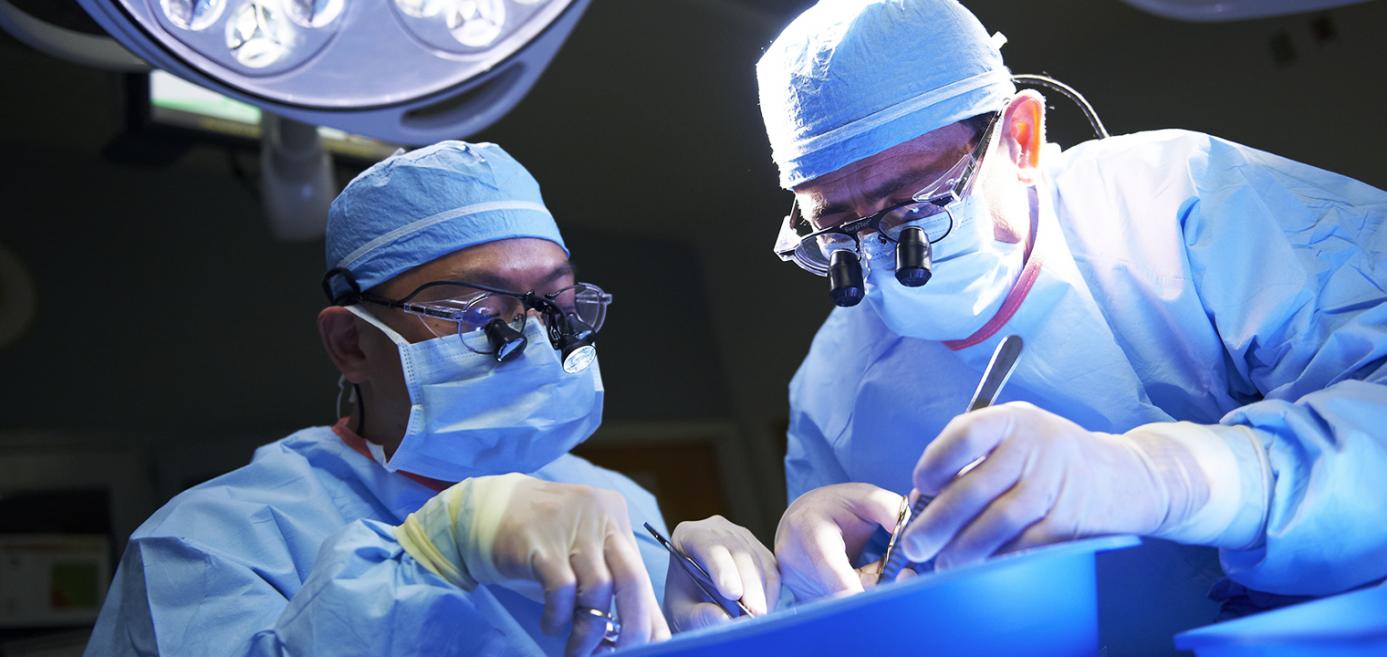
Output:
[[1069, 92]]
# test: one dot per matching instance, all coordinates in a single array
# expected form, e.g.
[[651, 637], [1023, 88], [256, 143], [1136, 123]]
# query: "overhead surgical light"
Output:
[[400, 71], [403, 71]]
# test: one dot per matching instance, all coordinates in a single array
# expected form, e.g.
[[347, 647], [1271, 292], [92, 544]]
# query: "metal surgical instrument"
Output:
[[998, 370]]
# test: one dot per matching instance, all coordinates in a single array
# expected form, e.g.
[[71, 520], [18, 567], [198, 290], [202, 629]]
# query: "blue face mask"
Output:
[[972, 274], [471, 416]]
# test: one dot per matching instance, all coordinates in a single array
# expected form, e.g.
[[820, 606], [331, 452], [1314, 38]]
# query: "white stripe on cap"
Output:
[[908, 106], [421, 224]]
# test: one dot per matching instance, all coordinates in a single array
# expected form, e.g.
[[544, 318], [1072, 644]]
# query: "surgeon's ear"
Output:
[[342, 340], [1023, 134]]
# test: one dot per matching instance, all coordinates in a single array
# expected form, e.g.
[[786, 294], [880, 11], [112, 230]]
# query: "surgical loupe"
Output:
[[571, 316], [835, 251]]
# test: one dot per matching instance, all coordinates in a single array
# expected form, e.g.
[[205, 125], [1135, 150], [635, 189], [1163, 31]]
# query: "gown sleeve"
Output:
[[364, 596], [809, 460], [1290, 263]]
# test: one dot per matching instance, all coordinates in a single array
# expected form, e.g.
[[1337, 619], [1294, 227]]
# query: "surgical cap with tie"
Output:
[[851, 78], [415, 207]]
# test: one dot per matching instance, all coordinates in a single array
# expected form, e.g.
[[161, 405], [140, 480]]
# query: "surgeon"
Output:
[[443, 515], [1205, 324]]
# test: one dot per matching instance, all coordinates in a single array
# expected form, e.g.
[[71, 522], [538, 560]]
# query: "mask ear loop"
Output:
[[353, 397], [346, 298]]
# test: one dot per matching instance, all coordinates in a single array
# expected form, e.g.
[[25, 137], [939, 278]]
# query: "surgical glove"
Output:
[[824, 530], [1045, 479], [741, 568], [568, 545]]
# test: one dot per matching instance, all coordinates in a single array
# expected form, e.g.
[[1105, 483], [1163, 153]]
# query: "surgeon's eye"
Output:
[[484, 309], [926, 215]]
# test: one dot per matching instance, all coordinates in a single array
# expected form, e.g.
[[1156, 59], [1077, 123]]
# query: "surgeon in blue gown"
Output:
[[1205, 324], [443, 515]]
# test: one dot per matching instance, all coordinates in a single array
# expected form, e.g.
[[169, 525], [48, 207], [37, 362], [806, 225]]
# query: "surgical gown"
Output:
[[293, 554], [1175, 276]]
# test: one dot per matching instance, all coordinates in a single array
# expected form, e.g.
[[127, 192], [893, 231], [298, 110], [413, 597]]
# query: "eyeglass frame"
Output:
[[560, 332], [853, 227], [556, 319]]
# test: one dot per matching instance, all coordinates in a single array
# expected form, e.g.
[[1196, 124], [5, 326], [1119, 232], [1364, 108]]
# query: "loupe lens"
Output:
[[845, 278], [579, 358], [506, 341], [574, 339], [912, 257]]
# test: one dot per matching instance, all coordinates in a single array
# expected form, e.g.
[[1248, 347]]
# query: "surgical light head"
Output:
[[418, 70]]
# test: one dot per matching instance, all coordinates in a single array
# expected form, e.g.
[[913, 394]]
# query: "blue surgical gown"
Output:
[[1180, 277], [293, 554]]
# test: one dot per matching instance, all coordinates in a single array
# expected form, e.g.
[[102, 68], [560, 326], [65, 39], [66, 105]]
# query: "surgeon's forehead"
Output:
[[516, 264], [889, 176]]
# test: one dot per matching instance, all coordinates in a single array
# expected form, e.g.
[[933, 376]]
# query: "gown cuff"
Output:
[[1215, 477]]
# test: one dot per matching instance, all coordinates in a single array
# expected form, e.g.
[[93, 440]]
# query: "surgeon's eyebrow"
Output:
[[491, 280], [558, 273], [890, 188], [896, 190]]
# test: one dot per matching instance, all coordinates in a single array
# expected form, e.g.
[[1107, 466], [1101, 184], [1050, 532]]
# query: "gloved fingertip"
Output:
[[915, 549], [848, 585], [730, 586], [661, 631]]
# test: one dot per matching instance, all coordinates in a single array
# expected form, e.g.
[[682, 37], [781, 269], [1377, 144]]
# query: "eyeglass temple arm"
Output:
[[972, 167]]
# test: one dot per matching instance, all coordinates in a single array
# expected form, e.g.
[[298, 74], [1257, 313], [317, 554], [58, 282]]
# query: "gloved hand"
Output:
[[741, 567], [1046, 480], [824, 530], [569, 545]]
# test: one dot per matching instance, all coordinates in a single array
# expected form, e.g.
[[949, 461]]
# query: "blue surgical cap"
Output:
[[851, 78], [415, 207]]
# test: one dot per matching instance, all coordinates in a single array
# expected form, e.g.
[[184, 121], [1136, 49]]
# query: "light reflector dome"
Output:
[[477, 23], [313, 13], [193, 15], [258, 35]]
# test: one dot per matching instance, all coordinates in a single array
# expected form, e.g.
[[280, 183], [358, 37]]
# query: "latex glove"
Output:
[[1046, 480], [824, 530], [741, 567], [567, 545]]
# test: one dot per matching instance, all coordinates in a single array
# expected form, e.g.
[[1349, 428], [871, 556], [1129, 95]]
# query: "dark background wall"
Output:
[[171, 328]]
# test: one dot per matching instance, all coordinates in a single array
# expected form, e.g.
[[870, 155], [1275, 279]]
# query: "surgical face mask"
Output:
[[471, 416], [972, 274]]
